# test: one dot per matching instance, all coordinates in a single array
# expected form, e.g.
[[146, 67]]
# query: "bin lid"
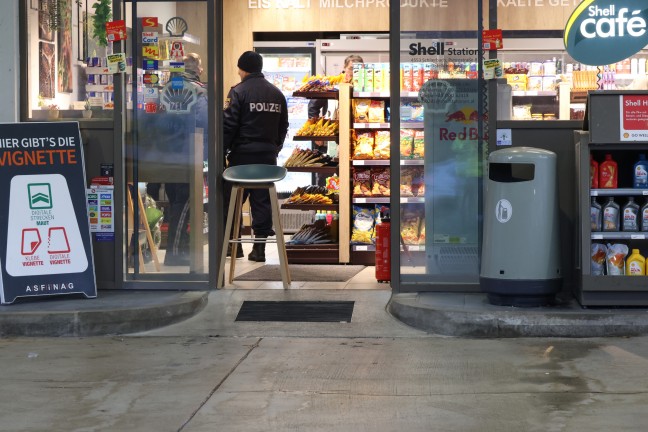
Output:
[[521, 155]]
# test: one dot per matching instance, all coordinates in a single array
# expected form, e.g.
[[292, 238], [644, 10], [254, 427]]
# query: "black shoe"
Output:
[[239, 251], [258, 253]]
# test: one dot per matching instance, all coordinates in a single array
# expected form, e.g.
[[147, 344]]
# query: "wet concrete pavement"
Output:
[[211, 373]]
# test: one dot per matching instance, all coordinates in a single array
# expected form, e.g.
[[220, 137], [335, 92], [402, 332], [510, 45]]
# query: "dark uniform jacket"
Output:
[[255, 117]]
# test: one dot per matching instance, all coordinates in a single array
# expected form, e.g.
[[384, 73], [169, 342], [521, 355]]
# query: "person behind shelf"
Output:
[[177, 250], [255, 125], [319, 107]]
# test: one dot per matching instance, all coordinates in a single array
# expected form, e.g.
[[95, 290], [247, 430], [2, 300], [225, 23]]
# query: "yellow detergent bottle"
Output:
[[635, 264]]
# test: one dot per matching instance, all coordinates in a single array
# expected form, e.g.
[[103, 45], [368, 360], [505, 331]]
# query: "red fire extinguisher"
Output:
[[383, 243]]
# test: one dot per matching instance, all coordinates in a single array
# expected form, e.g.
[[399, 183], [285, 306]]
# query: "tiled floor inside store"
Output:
[[364, 280]]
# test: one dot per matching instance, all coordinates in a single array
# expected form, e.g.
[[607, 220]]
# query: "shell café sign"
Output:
[[601, 32], [45, 244]]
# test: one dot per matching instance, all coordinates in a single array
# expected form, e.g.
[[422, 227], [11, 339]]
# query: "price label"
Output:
[[637, 236], [594, 193], [362, 248], [597, 237], [360, 200]]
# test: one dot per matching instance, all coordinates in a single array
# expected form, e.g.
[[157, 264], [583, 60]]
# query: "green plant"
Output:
[[102, 15], [87, 105]]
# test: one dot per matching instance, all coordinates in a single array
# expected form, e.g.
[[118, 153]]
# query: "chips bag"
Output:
[[363, 225], [361, 182]]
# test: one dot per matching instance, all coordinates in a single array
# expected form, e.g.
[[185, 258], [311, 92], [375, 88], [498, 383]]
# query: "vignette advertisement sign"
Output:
[[45, 246]]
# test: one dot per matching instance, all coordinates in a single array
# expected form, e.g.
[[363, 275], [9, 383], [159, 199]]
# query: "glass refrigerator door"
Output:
[[286, 71]]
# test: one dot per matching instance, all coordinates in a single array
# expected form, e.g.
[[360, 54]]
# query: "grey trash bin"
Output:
[[520, 263]]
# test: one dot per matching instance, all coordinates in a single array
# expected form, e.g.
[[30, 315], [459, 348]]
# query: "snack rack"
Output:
[[365, 253], [326, 253], [604, 133]]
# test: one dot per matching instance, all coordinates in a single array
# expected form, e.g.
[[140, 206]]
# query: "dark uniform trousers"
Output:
[[259, 198], [178, 237]]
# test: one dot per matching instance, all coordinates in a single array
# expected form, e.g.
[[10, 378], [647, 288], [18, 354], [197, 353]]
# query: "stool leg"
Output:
[[281, 244], [236, 236], [228, 229]]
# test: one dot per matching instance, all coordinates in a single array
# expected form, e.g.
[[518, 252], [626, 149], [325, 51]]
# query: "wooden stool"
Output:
[[255, 176]]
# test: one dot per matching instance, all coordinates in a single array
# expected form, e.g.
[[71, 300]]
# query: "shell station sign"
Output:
[[601, 32]]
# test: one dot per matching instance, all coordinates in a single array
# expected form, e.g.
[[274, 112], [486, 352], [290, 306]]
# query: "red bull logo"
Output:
[[465, 115]]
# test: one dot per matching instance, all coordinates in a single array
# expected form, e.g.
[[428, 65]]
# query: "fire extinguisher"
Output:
[[383, 243]]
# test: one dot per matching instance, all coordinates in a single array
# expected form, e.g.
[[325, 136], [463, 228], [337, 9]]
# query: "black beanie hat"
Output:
[[250, 61]]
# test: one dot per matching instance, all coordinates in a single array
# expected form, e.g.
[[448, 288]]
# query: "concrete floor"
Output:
[[210, 373]]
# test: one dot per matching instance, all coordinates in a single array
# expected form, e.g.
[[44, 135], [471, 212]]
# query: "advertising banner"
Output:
[[45, 246], [634, 117]]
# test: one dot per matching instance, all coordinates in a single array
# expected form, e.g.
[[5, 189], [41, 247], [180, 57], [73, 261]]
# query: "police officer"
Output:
[[177, 252], [255, 125]]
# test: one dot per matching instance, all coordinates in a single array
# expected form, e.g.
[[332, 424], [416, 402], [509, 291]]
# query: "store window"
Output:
[[441, 141], [67, 48], [166, 142]]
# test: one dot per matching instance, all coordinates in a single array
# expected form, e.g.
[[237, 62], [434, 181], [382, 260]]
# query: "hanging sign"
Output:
[[634, 117], [150, 78], [149, 22], [116, 30], [116, 62], [176, 67], [177, 50], [45, 244], [151, 51], [150, 37], [492, 39], [601, 32], [149, 65]]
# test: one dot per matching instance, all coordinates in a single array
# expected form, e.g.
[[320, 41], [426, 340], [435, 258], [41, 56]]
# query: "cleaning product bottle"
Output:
[[595, 215], [594, 173], [641, 172], [631, 216], [608, 173], [643, 217], [635, 264], [611, 215]]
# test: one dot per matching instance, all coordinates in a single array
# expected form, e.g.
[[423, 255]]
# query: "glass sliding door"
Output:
[[167, 142], [440, 144]]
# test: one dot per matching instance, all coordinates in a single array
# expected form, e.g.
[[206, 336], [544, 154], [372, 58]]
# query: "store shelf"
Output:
[[412, 125], [619, 192], [413, 248], [371, 94], [371, 125], [535, 93], [316, 95], [100, 87], [383, 94], [416, 162], [315, 138], [333, 207], [314, 169], [313, 254], [376, 200], [618, 235], [305, 69], [370, 162], [363, 248], [412, 200], [409, 94]]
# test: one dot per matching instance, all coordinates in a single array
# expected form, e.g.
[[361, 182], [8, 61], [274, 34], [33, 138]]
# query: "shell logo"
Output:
[[601, 32]]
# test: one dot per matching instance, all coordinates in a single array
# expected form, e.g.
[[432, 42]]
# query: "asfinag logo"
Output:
[[601, 32]]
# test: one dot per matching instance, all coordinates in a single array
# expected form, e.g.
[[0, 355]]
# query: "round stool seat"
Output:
[[255, 173]]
